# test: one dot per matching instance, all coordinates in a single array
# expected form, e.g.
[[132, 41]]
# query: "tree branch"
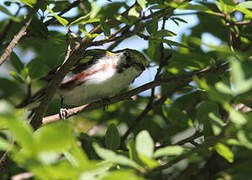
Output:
[[127, 95], [21, 33]]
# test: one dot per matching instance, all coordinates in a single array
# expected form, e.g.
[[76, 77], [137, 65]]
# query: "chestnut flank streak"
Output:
[[80, 78]]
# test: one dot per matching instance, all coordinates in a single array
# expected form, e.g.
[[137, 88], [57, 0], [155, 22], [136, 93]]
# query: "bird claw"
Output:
[[63, 113], [104, 102]]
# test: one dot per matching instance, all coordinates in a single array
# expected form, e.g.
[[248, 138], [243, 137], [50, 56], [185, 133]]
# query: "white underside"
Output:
[[100, 85]]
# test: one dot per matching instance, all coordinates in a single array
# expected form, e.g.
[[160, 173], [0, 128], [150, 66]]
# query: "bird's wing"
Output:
[[89, 58]]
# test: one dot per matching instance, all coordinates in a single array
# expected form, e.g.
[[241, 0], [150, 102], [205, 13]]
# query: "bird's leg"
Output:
[[63, 111], [105, 101]]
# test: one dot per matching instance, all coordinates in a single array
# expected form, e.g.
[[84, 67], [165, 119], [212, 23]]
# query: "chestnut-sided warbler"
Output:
[[98, 74]]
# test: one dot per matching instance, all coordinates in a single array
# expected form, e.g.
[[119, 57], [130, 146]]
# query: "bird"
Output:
[[98, 74]]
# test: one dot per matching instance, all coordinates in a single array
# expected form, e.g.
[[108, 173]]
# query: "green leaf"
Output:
[[247, 12], [37, 68], [5, 145], [99, 172], [8, 88], [246, 4], [90, 36], [22, 133], [105, 27], [243, 139], [220, 86], [225, 152], [54, 137], [173, 43], [113, 157], [6, 11], [17, 77], [122, 175], [29, 2], [169, 151], [142, 3], [152, 25], [84, 20], [132, 151], [77, 157], [226, 6], [204, 110], [150, 163], [94, 9], [237, 117], [217, 123], [112, 137], [135, 11], [144, 144], [188, 6], [16, 62], [163, 33], [61, 20], [237, 75], [179, 19]]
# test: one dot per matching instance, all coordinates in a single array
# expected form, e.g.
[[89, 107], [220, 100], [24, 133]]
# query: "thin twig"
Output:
[[210, 142], [4, 161], [22, 176], [74, 4], [21, 33], [196, 135]]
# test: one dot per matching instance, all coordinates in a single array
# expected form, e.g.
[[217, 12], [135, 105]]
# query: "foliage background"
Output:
[[195, 125]]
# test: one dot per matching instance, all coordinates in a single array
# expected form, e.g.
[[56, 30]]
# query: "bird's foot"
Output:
[[63, 113], [105, 101]]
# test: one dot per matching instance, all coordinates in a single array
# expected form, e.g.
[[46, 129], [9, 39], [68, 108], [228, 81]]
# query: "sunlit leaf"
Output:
[[94, 9], [113, 157], [225, 152], [220, 86], [22, 133], [61, 20], [122, 175], [5, 145], [84, 20], [17, 77], [237, 117], [142, 3], [29, 2], [132, 151], [135, 11], [169, 151], [246, 4], [50, 138], [90, 36], [144, 144], [149, 162]]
